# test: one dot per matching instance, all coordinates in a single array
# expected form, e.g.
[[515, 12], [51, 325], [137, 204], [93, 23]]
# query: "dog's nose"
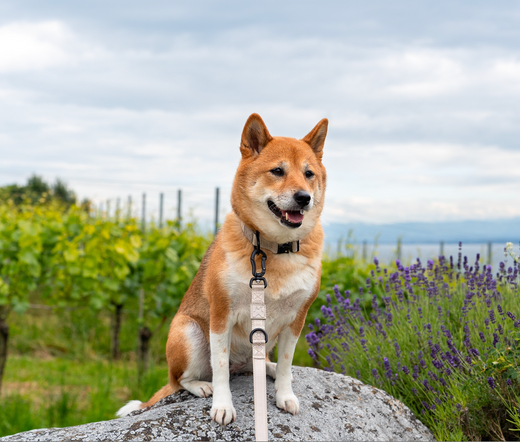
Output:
[[302, 198]]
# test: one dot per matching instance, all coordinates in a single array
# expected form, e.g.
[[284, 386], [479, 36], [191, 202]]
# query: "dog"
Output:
[[278, 191]]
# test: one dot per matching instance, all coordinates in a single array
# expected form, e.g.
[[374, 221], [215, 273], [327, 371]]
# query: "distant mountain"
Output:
[[500, 230]]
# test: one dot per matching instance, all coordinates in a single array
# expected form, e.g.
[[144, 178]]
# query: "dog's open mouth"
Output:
[[289, 218]]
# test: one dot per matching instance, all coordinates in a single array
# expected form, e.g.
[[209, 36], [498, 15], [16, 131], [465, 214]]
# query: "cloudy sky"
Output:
[[123, 97]]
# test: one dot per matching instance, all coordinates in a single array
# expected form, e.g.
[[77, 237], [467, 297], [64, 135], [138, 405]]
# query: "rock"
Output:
[[333, 407]]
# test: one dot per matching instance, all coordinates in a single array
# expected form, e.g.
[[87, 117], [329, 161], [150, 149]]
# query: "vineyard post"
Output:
[[489, 252], [129, 215], [143, 216], [116, 328], [217, 191], [179, 212], [118, 208], [145, 335], [108, 208], [441, 251], [364, 251], [4, 335], [399, 249], [161, 204]]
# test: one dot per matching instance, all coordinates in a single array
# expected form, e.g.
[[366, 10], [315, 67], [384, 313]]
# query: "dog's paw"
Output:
[[223, 414], [198, 388], [288, 402]]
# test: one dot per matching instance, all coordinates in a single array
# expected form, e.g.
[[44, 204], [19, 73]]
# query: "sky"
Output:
[[123, 98]]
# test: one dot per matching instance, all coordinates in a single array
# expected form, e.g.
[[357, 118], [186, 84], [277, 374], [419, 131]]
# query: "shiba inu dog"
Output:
[[278, 191]]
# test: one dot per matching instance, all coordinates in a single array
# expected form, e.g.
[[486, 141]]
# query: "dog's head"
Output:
[[280, 183]]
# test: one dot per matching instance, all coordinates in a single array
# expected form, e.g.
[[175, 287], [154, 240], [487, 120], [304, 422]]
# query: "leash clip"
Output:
[[258, 276]]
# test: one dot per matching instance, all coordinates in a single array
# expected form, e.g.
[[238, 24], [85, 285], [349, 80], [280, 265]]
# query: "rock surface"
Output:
[[333, 407]]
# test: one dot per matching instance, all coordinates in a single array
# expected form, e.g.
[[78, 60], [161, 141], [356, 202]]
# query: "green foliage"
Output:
[[168, 262], [20, 257], [91, 260]]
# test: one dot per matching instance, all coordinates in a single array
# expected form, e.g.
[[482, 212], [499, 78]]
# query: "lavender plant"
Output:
[[442, 337]]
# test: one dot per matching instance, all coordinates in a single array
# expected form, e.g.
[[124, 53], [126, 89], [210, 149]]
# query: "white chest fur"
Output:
[[284, 296]]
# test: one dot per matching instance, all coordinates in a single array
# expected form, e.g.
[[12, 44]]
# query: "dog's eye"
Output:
[[278, 171], [309, 174]]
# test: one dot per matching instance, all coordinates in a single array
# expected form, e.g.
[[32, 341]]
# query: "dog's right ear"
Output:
[[255, 136]]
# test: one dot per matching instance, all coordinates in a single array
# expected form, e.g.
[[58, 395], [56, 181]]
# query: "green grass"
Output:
[[60, 392]]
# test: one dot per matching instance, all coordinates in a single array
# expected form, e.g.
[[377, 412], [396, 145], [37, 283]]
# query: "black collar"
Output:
[[288, 247]]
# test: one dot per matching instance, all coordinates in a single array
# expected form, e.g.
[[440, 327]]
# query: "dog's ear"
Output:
[[316, 137], [255, 136]]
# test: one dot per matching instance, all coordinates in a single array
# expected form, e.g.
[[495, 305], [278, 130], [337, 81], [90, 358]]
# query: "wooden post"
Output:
[[217, 191], [4, 335], [129, 214], [441, 251], [143, 216], [179, 212], [399, 251], [490, 252], [108, 208], [161, 202], [118, 208], [364, 253]]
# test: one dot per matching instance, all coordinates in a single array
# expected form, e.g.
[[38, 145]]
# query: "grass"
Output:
[[59, 392]]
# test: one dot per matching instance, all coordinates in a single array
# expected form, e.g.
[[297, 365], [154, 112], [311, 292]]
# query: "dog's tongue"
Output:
[[293, 215]]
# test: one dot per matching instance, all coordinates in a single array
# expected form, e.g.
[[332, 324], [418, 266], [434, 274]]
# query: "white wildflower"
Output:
[[509, 250]]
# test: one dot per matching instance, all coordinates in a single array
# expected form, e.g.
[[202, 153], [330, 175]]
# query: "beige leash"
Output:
[[258, 338]]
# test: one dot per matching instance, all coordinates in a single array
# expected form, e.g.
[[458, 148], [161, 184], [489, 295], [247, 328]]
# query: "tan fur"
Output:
[[218, 299]]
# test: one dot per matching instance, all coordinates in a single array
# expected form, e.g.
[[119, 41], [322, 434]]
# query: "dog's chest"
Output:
[[290, 282]]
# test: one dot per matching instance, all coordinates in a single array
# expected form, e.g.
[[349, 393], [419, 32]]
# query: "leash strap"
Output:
[[258, 338]]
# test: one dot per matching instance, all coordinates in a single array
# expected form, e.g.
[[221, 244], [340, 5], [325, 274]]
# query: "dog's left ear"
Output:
[[316, 137], [255, 136]]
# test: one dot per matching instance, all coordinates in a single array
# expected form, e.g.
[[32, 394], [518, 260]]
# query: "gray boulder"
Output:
[[333, 407]]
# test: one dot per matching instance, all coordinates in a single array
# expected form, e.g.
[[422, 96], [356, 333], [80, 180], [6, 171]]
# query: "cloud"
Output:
[[35, 46], [428, 128]]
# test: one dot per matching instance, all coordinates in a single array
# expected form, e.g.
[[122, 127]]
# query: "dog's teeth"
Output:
[[286, 216], [301, 212]]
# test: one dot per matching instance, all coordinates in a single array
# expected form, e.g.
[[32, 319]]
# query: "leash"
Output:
[[258, 338]]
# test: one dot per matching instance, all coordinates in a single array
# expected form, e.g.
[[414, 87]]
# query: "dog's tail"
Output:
[[138, 405]]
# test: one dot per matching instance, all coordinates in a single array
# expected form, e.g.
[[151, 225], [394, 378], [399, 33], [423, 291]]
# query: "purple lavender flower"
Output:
[[375, 374], [509, 382], [482, 337], [474, 352], [397, 349], [406, 370], [491, 382]]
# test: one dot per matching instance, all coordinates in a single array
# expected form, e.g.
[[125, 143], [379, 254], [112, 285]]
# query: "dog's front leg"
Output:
[[222, 410], [285, 398]]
